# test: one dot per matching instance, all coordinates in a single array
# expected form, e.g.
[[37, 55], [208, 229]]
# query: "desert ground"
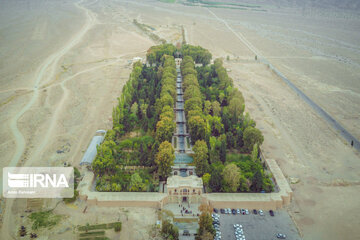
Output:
[[63, 64]]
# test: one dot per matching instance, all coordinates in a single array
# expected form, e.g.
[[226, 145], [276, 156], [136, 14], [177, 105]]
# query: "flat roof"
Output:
[[177, 181]]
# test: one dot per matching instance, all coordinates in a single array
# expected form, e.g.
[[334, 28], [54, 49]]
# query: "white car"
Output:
[[246, 212], [261, 213], [281, 236]]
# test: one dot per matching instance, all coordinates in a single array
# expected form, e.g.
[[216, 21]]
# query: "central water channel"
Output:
[[182, 136]]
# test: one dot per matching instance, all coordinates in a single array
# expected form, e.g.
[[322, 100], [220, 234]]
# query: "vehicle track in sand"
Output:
[[339, 129], [48, 65], [57, 112]]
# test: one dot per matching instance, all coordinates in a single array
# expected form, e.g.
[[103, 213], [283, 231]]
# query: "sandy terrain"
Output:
[[63, 65], [73, 216]]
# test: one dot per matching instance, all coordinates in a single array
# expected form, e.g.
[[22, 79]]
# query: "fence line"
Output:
[[333, 123]]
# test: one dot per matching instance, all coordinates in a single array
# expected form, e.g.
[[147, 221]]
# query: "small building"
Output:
[[183, 170], [91, 151], [178, 61], [184, 189]]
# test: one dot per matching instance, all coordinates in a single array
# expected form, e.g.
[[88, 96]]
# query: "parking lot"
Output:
[[256, 227]]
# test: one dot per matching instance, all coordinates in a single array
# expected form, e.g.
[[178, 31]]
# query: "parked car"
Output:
[[222, 210], [238, 211], [271, 213], [243, 211], [246, 212], [261, 213], [186, 233], [216, 210], [281, 236], [233, 211], [254, 211]]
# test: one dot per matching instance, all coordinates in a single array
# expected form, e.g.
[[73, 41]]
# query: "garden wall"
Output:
[[263, 201]]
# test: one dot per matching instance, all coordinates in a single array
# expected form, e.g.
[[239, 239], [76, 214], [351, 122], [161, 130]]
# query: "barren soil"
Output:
[[63, 64]]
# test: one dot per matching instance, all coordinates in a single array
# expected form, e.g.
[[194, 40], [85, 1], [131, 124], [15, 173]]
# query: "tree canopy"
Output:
[[205, 223], [201, 157], [155, 53], [165, 159], [199, 54]]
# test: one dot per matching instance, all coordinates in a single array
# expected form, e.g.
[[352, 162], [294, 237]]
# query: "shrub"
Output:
[[117, 227]]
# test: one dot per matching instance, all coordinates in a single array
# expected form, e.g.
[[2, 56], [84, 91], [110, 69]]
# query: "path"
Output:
[[57, 112], [321, 112], [49, 64]]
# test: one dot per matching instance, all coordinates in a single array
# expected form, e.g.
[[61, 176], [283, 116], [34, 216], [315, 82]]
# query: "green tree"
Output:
[[222, 151], [201, 157], [255, 152], [236, 106], [216, 180], [190, 79], [247, 121], [231, 175], [136, 183], [192, 104], [165, 129], [156, 53], [205, 223], [239, 135], [197, 128], [214, 153], [169, 231], [165, 159], [252, 136], [134, 108], [191, 92], [167, 111], [207, 107], [199, 54], [115, 187], [215, 108], [224, 79], [244, 184], [104, 161], [257, 181], [117, 227], [206, 180], [214, 126], [206, 236], [165, 100]]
